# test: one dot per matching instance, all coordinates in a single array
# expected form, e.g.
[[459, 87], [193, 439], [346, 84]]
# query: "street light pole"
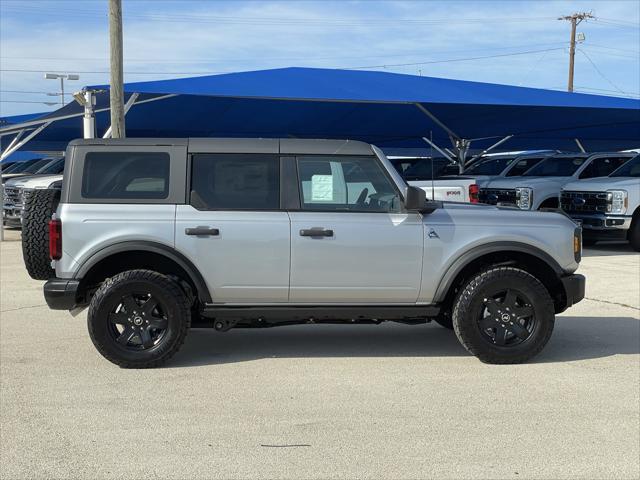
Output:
[[117, 75], [62, 78]]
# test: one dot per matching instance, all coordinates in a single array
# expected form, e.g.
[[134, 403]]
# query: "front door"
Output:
[[351, 242], [233, 230]]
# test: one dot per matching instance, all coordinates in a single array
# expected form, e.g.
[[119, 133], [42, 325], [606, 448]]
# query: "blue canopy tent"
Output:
[[390, 110]]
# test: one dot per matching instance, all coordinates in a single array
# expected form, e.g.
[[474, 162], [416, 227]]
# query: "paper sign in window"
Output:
[[322, 188]]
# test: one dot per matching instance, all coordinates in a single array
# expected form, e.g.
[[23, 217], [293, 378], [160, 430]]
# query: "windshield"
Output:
[[556, 167], [492, 166], [36, 166], [426, 169], [629, 169], [522, 165], [21, 167], [52, 168]]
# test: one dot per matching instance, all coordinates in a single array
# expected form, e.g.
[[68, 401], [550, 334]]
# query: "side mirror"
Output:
[[416, 201]]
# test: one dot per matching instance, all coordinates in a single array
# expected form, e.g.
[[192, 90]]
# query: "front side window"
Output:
[[355, 184], [493, 166], [128, 175], [629, 169], [601, 167], [235, 182], [556, 167]]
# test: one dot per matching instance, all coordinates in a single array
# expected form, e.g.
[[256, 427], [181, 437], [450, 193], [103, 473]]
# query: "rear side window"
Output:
[[128, 175], [235, 182], [522, 166]]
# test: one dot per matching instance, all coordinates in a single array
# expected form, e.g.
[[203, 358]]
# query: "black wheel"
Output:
[[634, 233], [139, 319], [38, 208], [503, 315]]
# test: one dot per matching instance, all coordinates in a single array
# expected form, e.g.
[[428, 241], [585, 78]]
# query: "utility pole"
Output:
[[117, 76], [575, 19]]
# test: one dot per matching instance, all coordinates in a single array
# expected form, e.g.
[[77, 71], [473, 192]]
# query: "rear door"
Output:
[[232, 227], [350, 241]]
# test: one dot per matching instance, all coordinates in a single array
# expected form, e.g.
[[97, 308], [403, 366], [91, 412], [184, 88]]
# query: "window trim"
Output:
[[374, 158]]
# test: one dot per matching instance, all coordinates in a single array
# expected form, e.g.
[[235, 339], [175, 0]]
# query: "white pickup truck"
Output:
[[608, 207], [438, 178]]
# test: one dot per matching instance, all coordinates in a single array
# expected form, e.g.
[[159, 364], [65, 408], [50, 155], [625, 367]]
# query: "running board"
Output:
[[303, 314]]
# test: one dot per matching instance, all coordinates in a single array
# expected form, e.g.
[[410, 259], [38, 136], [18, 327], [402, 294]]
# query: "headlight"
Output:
[[524, 198], [617, 201]]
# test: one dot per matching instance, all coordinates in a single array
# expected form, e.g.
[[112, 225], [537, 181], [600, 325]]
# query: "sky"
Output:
[[509, 42]]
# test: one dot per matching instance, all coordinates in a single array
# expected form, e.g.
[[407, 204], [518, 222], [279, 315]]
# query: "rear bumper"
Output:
[[61, 293], [574, 287]]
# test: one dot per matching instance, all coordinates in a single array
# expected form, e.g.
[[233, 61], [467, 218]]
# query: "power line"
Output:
[[600, 72], [351, 68], [272, 21], [455, 59]]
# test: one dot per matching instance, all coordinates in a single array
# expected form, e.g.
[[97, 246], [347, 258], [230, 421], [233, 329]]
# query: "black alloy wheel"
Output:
[[138, 321], [508, 318]]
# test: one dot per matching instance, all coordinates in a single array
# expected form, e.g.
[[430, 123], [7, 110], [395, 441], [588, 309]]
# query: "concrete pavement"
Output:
[[388, 401]]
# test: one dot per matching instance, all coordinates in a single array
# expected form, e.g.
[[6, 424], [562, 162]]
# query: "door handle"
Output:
[[316, 232], [202, 231]]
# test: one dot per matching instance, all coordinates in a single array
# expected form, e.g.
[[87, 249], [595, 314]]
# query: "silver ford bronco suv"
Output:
[[159, 235]]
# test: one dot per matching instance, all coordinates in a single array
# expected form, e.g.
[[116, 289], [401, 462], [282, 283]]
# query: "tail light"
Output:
[[474, 190], [55, 239]]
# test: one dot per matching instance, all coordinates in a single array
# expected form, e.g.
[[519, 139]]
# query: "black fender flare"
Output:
[[479, 251], [147, 246]]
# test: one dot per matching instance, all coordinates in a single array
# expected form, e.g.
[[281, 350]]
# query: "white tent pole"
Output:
[[444, 154], [495, 145], [9, 151], [580, 146]]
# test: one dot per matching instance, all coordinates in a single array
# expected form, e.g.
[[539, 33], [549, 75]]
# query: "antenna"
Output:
[[433, 188]]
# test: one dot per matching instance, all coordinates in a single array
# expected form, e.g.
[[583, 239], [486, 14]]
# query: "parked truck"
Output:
[[607, 207]]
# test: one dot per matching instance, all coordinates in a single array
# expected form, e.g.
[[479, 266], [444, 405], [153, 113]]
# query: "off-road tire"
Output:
[[38, 209], [468, 306], [178, 316], [634, 232]]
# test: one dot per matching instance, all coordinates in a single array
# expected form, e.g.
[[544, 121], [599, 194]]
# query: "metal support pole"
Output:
[[444, 154], [462, 148], [89, 119], [495, 145], [580, 145], [15, 139], [8, 151], [436, 120]]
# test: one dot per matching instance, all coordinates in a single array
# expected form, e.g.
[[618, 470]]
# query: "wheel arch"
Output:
[[521, 255], [141, 254]]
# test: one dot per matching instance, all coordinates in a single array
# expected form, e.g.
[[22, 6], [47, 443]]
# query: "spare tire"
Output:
[[39, 206]]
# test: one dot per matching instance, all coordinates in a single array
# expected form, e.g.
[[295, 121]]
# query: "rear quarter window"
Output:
[[126, 175]]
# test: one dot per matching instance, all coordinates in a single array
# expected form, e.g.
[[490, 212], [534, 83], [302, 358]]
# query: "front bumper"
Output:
[[12, 215], [603, 222], [574, 287], [61, 293]]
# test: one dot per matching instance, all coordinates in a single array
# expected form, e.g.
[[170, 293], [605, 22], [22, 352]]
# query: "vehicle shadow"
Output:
[[608, 249], [574, 338]]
